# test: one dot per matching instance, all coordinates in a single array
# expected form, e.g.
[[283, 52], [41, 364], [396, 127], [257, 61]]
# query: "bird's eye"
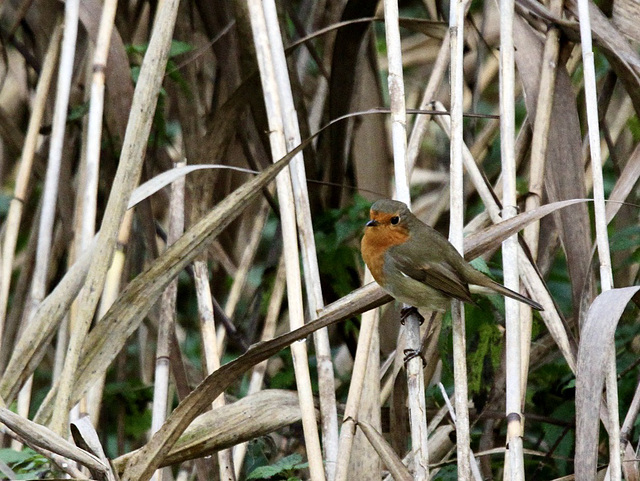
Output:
[[395, 219]]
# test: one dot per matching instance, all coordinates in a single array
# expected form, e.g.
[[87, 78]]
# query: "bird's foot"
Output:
[[407, 311], [413, 353]]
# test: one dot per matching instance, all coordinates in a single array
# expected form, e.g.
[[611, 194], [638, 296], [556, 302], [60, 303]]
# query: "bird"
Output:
[[417, 265]]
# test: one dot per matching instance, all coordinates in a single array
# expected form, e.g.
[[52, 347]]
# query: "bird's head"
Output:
[[388, 213], [389, 223]]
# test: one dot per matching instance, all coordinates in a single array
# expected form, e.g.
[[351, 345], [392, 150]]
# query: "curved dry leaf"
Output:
[[248, 418], [491, 238], [152, 186], [596, 344], [389, 457], [86, 438], [343, 86]]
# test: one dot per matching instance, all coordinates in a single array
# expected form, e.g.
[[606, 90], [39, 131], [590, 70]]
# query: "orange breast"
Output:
[[375, 243]]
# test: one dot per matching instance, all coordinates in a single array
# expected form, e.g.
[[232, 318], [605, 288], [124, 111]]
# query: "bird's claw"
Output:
[[407, 311], [413, 353]]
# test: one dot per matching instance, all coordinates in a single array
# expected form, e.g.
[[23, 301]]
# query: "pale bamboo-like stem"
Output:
[[541, 127], [415, 373], [268, 331], [167, 318], [242, 273], [89, 186], [50, 194], [14, 216], [211, 353], [421, 124], [475, 471], [134, 145], [311, 271], [510, 245], [530, 277], [289, 235], [602, 238], [368, 327], [539, 143], [456, 29], [83, 233], [109, 296]]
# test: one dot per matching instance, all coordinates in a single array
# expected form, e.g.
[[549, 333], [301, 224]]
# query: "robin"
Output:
[[417, 265]]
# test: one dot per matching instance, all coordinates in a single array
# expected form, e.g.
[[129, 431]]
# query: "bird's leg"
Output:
[[411, 353], [407, 311]]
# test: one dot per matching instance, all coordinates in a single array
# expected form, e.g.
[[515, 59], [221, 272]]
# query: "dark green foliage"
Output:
[[284, 469], [337, 234], [27, 464]]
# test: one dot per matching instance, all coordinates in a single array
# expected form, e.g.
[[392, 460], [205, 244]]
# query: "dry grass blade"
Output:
[[227, 426], [32, 344], [37, 435], [595, 348], [391, 460]]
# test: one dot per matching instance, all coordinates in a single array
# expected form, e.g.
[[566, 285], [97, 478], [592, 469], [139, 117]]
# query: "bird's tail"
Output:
[[497, 287]]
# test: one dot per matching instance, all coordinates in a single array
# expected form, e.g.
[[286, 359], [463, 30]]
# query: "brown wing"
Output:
[[440, 276]]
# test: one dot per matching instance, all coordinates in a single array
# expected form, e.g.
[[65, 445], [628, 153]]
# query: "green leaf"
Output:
[[179, 48], [11, 456], [288, 463], [480, 264]]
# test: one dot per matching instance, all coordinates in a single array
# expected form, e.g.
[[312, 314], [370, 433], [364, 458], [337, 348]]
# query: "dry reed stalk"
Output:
[[539, 142], [109, 296], [268, 331], [211, 352], [421, 124], [269, 79], [242, 272], [311, 271], [127, 176], [50, 194], [167, 318], [14, 216], [89, 186], [456, 225], [368, 327], [602, 237], [513, 411], [415, 374], [366, 455], [475, 471]]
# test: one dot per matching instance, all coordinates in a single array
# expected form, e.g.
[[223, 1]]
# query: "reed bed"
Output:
[[184, 189]]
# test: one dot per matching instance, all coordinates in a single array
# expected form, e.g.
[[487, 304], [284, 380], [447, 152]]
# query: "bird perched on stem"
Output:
[[417, 265]]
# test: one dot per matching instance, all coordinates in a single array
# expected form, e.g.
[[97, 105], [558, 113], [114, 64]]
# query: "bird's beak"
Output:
[[372, 223]]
